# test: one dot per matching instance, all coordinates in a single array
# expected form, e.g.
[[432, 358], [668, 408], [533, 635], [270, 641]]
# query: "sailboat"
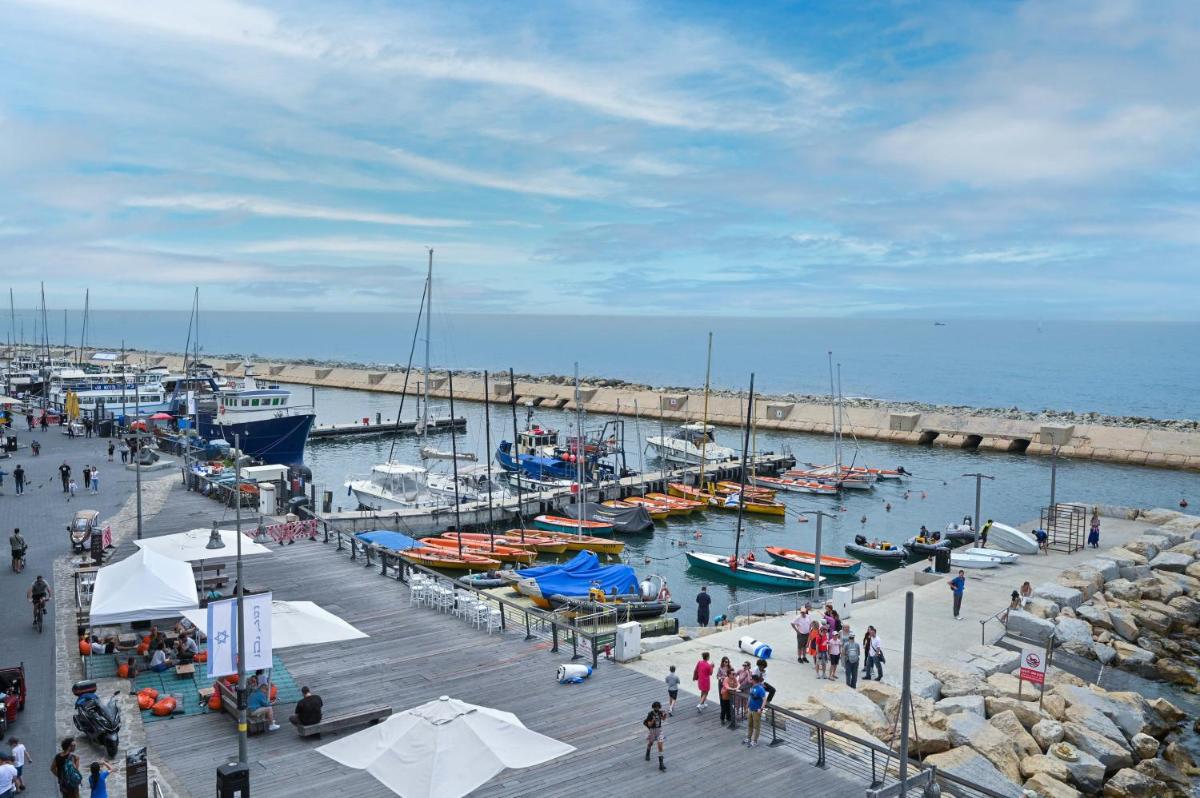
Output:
[[747, 569]]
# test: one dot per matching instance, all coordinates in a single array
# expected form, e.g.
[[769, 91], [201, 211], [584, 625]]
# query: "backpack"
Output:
[[69, 776]]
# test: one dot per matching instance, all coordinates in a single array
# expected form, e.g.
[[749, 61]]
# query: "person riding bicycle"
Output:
[[38, 593], [18, 546]]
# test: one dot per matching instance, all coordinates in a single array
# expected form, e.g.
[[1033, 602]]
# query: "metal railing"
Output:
[[1001, 616], [741, 613], [586, 642]]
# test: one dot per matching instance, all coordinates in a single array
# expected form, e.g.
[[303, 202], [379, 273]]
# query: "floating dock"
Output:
[[382, 426]]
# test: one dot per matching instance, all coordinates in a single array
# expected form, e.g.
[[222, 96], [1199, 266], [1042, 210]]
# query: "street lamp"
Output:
[[817, 561], [243, 746], [979, 478]]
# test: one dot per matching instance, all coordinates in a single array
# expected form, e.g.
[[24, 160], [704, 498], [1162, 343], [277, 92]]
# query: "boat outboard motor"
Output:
[[861, 540], [99, 721]]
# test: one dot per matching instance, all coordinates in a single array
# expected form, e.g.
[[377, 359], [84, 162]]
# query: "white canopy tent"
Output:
[[192, 546], [143, 587], [296, 623], [443, 749]]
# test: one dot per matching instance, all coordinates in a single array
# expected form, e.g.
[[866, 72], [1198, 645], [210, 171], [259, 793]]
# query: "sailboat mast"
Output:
[[428, 313], [454, 460], [704, 420], [579, 455], [487, 447], [87, 309], [516, 455], [837, 452], [737, 540]]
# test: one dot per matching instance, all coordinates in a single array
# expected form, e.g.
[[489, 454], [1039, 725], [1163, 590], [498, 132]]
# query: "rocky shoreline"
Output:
[[1044, 416], [1136, 608]]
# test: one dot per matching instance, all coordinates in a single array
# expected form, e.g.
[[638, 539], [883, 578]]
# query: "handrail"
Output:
[[158, 792], [786, 602], [994, 616]]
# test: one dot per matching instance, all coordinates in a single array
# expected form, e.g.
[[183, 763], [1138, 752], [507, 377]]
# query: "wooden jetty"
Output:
[[382, 426]]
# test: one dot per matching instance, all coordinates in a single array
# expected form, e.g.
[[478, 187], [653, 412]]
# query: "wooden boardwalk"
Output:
[[416, 654]]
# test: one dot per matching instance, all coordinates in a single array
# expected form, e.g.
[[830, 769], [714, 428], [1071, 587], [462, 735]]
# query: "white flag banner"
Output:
[[222, 634]]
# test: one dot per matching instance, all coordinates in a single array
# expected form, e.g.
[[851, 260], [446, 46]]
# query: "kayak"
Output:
[[558, 523], [575, 542], [725, 488], [657, 512], [797, 485], [806, 561]]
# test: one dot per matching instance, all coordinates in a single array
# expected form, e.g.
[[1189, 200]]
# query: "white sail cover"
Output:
[[143, 587], [297, 623], [443, 749]]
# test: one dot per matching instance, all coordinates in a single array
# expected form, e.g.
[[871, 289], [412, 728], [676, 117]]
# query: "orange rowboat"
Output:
[[657, 512], [726, 488], [558, 523], [502, 553], [752, 505], [437, 557], [587, 543], [654, 506], [806, 561], [684, 506], [534, 541]]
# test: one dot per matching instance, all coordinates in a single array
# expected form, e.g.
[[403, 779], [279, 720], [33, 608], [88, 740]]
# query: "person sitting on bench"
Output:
[[186, 648], [260, 707], [308, 709], [160, 661]]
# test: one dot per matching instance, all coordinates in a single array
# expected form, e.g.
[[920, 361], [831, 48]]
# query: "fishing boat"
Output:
[[960, 560], [806, 561], [751, 571], [630, 520], [1002, 557], [496, 552], [263, 420], [1008, 538], [811, 486], [878, 473], [563, 525], [921, 546], [576, 542], [448, 559], [730, 502], [395, 486], [655, 511], [513, 538], [678, 505], [880, 550]]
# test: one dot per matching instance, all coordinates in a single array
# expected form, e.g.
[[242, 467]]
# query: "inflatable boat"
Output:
[[876, 550], [919, 546]]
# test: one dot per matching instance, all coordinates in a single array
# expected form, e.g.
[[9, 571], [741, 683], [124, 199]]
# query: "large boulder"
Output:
[[1046, 786], [963, 726], [1152, 619], [993, 659], [1123, 623], [1170, 585], [1026, 711], [1046, 732], [1086, 771], [1111, 754], [1175, 561], [1176, 672], [1096, 617], [1012, 728], [1135, 659], [922, 683], [1193, 570], [1123, 590], [1108, 568], [969, 764], [1168, 715], [1144, 746], [1029, 627], [1073, 630], [854, 730], [1178, 756], [1104, 652], [846, 704], [1040, 763], [1123, 557], [1188, 547], [960, 683], [1041, 608], [1127, 710], [1186, 610], [999, 750], [1062, 596], [1148, 545], [1164, 771], [879, 693], [1128, 783], [961, 703], [1084, 573], [1007, 685], [1097, 721]]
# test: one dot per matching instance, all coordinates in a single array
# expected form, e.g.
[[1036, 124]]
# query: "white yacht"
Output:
[[690, 444], [395, 486]]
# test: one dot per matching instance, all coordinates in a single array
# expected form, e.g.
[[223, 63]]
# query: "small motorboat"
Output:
[[1003, 557], [796, 485], [495, 552], [485, 580], [751, 571], [625, 607], [880, 550], [678, 506], [960, 533], [447, 559], [960, 560], [576, 542], [921, 546], [806, 561], [1007, 538], [562, 524], [658, 512]]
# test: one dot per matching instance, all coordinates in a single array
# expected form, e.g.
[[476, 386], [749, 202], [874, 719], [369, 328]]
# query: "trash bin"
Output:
[[941, 560], [10, 443], [233, 781]]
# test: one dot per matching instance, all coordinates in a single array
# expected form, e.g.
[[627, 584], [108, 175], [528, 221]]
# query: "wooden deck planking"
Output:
[[417, 654]]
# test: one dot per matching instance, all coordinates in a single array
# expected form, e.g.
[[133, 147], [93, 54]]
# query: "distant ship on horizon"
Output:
[[939, 324]]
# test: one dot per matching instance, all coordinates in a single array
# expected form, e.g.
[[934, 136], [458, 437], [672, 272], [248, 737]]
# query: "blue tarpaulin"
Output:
[[583, 561], [389, 540], [577, 583]]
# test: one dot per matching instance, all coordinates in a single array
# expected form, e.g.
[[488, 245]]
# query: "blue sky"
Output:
[[1012, 160]]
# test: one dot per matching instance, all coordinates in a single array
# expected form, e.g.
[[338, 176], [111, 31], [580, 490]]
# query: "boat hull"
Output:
[[562, 525], [756, 574], [897, 554], [971, 561], [1003, 557], [273, 440], [1005, 537], [596, 545], [759, 507], [433, 557], [806, 561], [625, 607]]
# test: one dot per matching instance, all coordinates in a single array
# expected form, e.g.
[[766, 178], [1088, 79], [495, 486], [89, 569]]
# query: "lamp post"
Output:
[[1053, 479], [817, 560], [243, 747], [979, 478]]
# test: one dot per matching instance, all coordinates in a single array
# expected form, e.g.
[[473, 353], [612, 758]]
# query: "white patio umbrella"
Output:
[[192, 546], [443, 749], [296, 623]]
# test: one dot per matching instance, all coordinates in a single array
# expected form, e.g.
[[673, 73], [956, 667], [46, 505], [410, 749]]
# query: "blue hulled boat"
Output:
[[263, 420]]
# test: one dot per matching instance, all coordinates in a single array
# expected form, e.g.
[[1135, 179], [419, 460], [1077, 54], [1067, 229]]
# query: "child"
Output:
[[71, 487], [672, 681], [653, 724], [20, 757]]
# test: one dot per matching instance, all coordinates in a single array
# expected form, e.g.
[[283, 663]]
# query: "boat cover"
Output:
[[389, 540], [577, 583], [623, 519], [583, 561]]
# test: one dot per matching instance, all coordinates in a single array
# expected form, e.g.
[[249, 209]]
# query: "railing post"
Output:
[[595, 655], [574, 646], [367, 555], [875, 782], [339, 540], [353, 548], [553, 637], [820, 747], [528, 632], [775, 741]]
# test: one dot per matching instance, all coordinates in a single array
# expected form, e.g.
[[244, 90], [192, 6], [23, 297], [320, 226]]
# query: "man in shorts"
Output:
[[654, 732], [672, 681], [802, 623]]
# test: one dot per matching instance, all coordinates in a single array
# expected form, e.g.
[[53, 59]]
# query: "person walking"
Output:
[[8, 775], [45, 421], [87, 478], [702, 676], [851, 652], [654, 732], [95, 480], [703, 601], [124, 452], [64, 473], [20, 757], [19, 479], [957, 585], [754, 708], [672, 681], [834, 645], [1094, 533], [29, 421], [875, 658], [111, 448], [87, 428], [71, 488], [65, 768], [802, 623], [983, 534]]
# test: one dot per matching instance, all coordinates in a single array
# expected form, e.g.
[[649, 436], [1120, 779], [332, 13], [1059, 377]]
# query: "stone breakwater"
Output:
[[1137, 441]]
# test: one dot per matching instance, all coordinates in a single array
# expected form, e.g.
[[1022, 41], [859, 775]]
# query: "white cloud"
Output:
[[259, 206], [387, 248], [559, 183]]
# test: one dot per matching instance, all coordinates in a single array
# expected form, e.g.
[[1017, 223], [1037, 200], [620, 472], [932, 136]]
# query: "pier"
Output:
[[382, 426]]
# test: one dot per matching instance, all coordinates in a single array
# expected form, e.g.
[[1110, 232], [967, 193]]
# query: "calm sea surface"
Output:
[[1145, 369], [937, 494]]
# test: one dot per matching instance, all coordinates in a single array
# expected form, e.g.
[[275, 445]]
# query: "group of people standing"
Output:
[[91, 479], [827, 642]]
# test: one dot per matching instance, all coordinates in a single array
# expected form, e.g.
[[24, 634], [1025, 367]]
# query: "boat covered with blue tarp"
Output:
[[387, 539]]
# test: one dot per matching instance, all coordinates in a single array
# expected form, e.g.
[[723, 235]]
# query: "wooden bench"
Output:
[[185, 670], [331, 723], [229, 704]]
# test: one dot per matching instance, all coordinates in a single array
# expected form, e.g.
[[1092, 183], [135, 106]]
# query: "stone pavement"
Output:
[[937, 637]]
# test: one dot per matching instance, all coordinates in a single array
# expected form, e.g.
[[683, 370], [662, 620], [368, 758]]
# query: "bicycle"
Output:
[[18, 562], [39, 614]]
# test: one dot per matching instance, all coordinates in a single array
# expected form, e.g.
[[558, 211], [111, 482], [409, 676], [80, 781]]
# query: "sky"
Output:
[[906, 159]]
